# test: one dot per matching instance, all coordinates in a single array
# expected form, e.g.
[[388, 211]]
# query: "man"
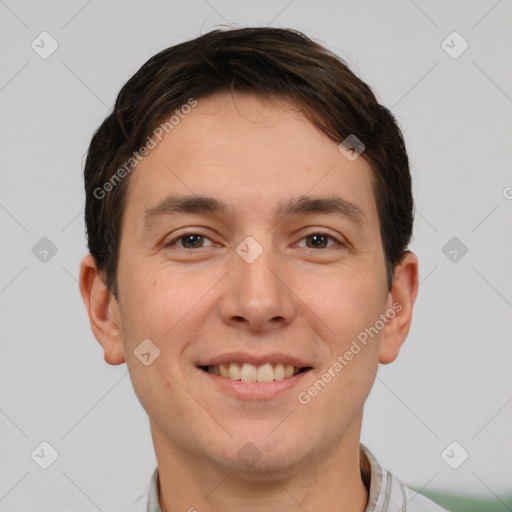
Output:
[[248, 211]]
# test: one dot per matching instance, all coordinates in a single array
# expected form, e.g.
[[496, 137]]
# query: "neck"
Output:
[[329, 480]]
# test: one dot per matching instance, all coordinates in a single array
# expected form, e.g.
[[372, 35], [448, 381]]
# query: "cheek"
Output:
[[352, 313], [169, 308], [157, 302], [342, 385], [158, 307], [350, 310], [347, 306]]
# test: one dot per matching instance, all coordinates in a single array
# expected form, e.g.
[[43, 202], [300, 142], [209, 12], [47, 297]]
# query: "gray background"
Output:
[[452, 381]]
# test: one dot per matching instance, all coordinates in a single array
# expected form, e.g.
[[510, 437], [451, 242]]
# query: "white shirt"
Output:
[[386, 493]]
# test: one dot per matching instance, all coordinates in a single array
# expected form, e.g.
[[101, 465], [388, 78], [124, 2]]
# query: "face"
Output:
[[257, 288]]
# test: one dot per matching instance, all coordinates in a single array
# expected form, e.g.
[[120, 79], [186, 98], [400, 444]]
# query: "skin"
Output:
[[295, 298]]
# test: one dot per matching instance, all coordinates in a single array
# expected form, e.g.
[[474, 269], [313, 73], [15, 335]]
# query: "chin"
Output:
[[264, 447]]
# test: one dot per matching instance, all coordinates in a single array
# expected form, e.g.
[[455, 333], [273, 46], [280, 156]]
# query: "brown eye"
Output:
[[189, 241], [319, 240], [192, 241]]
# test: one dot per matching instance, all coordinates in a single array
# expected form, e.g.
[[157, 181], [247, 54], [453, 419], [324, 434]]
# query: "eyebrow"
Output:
[[303, 205]]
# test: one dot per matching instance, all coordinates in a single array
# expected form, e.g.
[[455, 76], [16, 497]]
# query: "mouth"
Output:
[[249, 372], [254, 377]]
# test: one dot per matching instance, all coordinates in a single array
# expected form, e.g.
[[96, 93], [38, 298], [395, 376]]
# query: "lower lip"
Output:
[[255, 390]]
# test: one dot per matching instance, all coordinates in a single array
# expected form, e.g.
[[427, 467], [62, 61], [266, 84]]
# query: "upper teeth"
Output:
[[248, 372]]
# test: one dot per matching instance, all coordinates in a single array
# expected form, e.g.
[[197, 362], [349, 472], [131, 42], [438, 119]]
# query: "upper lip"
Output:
[[255, 359]]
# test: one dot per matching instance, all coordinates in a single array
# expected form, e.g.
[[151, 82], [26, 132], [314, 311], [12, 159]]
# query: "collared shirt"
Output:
[[385, 492]]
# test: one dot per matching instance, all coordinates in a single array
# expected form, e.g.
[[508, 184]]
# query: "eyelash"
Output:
[[184, 235]]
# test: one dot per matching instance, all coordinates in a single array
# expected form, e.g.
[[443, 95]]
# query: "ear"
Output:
[[103, 311], [400, 301]]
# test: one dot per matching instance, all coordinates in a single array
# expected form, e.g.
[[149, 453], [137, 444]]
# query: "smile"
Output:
[[248, 372]]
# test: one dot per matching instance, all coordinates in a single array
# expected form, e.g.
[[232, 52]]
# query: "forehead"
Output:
[[250, 152]]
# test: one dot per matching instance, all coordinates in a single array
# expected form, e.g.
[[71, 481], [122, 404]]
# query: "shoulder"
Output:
[[389, 494], [410, 500], [415, 502]]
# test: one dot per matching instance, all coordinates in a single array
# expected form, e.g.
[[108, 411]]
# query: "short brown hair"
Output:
[[266, 61]]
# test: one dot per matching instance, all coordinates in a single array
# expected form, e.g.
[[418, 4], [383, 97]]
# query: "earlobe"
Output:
[[400, 304], [103, 311]]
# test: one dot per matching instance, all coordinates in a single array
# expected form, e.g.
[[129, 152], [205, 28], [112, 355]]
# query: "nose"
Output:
[[258, 294]]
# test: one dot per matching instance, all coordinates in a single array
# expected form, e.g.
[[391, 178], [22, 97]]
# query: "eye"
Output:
[[193, 240], [189, 241], [320, 239]]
